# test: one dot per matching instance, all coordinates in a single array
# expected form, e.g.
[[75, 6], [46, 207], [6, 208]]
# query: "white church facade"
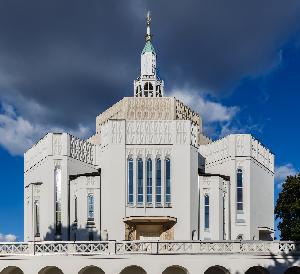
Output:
[[149, 193], [148, 173]]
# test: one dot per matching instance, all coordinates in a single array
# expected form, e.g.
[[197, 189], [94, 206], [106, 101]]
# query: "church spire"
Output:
[[148, 84], [148, 35]]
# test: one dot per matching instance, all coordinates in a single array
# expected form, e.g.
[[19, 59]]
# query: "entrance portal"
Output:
[[149, 228]]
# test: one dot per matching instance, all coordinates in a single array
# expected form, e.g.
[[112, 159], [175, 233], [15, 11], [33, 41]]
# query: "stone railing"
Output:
[[150, 247]]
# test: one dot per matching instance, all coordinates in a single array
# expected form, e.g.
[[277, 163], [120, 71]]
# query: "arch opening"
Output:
[[12, 270], [175, 269], [91, 270], [50, 270], [217, 269], [133, 269], [293, 270], [257, 270]]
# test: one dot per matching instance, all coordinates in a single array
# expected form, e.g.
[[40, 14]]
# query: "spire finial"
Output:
[[148, 35]]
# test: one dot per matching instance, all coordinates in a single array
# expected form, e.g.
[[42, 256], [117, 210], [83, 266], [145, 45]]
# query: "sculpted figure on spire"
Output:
[[148, 83]]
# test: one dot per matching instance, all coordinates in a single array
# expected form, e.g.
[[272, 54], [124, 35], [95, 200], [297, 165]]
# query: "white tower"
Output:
[[148, 84]]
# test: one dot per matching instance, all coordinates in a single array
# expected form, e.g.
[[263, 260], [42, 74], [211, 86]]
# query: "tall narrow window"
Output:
[[224, 220], [138, 91], [130, 181], [75, 209], [149, 182], [168, 182], [90, 206], [206, 212], [239, 190], [158, 91], [140, 185], [57, 177], [158, 183], [37, 218]]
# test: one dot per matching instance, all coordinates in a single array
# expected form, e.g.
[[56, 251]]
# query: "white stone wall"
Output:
[[173, 139], [54, 150], [216, 188], [242, 151], [80, 188], [149, 139]]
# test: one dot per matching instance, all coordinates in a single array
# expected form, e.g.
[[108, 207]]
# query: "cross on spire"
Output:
[[148, 35]]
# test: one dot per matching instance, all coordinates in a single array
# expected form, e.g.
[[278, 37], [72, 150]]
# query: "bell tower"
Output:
[[148, 84]]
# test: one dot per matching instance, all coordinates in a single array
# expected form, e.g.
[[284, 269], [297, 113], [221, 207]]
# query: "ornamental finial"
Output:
[[148, 35]]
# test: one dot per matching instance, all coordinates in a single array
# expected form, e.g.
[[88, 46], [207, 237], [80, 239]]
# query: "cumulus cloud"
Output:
[[219, 120], [209, 110], [8, 238], [18, 134], [281, 173]]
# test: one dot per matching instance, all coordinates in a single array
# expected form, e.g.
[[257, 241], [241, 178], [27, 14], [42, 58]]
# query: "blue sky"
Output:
[[245, 81]]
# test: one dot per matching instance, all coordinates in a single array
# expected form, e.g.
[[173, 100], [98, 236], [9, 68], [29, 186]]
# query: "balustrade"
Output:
[[150, 247]]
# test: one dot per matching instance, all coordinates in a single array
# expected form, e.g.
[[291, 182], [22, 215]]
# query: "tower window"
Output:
[[239, 190], [158, 91], [149, 182], [140, 186], [138, 91], [90, 206], [148, 89], [158, 183], [206, 212], [130, 181], [168, 183]]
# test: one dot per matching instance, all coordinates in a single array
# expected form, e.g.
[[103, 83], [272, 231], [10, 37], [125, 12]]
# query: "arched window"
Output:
[[57, 178], [239, 190], [140, 186], [206, 211], [149, 182], [130, 181], [168, 183], [148, 89], [158, 183], [90, 207]]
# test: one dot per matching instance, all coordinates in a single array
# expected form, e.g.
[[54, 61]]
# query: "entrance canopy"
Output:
[[149, 227], [150, 219]]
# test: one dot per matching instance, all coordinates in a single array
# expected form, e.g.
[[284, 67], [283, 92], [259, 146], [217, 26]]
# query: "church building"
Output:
[[148, 173]]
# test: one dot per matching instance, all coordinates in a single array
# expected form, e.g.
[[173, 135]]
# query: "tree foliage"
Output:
[[287, 209]]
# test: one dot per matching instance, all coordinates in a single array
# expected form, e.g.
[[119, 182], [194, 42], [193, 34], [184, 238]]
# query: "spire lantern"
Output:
[[148, 84]]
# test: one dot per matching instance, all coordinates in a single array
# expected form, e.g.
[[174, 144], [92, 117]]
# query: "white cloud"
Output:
[[281, 172], [8, 238], [210, 111], [230, 128], [18, 134], [219, 120]]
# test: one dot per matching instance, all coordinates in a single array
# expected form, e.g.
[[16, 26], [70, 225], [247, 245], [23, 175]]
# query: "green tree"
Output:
[[287, 209]]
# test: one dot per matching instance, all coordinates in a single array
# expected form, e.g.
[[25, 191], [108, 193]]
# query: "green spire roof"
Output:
[[148, 48]]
